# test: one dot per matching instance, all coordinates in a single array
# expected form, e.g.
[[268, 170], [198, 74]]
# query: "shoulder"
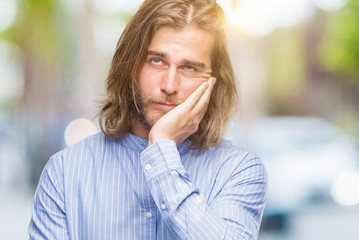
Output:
[[237, 158], [229, 150], [75, 161], [86, 149], [90, 143], [224, 151]]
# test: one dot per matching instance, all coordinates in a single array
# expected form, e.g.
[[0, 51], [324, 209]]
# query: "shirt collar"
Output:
[[136, 143], [131, 141]]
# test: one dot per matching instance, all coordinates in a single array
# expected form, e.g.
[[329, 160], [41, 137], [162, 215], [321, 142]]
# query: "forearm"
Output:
[[185, 210]]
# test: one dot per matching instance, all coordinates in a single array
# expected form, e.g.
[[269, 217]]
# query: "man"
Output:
[[160, 169]]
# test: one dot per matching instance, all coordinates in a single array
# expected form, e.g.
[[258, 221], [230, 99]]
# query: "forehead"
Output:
[[188, 43]]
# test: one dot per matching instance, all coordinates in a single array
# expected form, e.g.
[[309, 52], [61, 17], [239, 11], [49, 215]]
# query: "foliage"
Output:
[[38, 29], [286, 70], [339, 51]]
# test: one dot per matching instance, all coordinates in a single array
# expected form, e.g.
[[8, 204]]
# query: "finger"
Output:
[[202, 103], [193, 99]]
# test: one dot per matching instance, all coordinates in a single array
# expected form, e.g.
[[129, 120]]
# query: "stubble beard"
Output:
[[143, 103], [142, 106]]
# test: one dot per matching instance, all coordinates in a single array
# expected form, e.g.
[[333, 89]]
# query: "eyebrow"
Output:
[[185, 61], [159, 54], [194, 63]]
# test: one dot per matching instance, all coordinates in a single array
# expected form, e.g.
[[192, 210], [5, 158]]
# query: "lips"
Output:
[[164, 106]]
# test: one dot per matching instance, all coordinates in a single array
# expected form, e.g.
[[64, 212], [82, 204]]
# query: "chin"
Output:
[[150, 119]]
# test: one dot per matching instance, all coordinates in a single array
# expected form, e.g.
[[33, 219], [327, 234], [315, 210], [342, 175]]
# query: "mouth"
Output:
[[164, 106]]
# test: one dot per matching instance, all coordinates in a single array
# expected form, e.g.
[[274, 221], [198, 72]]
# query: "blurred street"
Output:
[[326, 221], [15, 212]]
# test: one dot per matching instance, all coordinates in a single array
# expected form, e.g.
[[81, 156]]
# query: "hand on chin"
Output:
[[182, 121]]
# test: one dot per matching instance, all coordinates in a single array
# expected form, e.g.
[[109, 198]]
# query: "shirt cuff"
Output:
[[161, 157]]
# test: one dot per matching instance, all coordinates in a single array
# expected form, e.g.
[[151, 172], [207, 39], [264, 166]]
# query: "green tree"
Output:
[[39, 32], [339, 51]]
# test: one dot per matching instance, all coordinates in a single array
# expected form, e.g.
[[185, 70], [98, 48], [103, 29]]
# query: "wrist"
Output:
[[153, 138]]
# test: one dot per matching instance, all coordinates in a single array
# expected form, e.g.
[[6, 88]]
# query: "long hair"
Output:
[[119, 109]]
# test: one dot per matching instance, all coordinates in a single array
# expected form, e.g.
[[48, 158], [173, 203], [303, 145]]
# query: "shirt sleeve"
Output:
[[234, 213], [48, 219]]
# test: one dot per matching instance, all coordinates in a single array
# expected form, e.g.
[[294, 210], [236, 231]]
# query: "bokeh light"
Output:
[[345, 189], [78, 130]]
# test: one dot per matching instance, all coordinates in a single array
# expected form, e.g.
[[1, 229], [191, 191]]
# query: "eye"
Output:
[[190, 68], [156, 61]]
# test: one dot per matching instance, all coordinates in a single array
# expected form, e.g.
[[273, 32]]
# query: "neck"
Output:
[[138, 129]]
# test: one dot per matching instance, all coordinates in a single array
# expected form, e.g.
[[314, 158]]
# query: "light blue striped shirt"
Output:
[[103, 188]]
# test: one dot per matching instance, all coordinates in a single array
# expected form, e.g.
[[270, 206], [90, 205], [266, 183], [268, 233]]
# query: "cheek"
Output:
[[147, 81], [188, 86]]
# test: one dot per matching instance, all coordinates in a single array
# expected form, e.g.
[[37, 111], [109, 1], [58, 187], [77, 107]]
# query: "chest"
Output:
[[110, 200]]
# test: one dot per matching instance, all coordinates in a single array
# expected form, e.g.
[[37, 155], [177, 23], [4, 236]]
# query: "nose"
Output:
[[170, 81]]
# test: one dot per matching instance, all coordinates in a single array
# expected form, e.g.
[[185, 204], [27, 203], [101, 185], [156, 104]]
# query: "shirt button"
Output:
[[148, 215], [163, 207], [148, 167]]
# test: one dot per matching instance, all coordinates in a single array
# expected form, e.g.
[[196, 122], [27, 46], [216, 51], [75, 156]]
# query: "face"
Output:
[[177, 62]]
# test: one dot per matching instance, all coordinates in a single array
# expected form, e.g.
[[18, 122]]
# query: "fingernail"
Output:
[[214, 80]]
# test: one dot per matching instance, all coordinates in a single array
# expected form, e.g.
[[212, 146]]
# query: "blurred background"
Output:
[[297, 63]]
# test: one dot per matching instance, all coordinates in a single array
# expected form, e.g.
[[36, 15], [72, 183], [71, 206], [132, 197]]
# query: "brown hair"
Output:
[[119, 109]]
